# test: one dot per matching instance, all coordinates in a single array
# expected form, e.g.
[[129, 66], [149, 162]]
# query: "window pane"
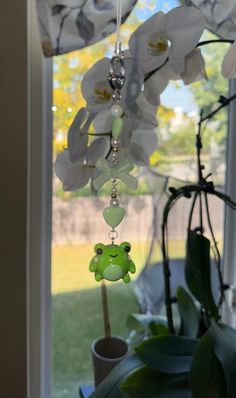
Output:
[[77, 217]]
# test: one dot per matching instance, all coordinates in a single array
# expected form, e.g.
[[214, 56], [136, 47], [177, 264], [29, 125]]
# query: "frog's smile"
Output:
[[113, 255]]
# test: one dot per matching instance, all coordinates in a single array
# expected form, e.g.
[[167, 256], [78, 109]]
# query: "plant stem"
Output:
[[200, 213], [166, 270], [216, 252], [154, 71], [226, 102], [206, 42], [96, 134], [106, 318], [192, 210]]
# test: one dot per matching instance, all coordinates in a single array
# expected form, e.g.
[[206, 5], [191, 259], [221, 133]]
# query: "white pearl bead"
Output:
[[114, 142], [114, 202], [116, 110]]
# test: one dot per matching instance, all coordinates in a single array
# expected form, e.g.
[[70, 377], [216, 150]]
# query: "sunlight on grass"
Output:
[[70, 264], [77, 321], [77, 313]]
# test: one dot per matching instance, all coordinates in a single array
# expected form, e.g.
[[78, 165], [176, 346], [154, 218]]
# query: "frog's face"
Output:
[[112, 261]]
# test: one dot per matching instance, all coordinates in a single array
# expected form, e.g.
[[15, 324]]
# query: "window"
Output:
[[77, 220]]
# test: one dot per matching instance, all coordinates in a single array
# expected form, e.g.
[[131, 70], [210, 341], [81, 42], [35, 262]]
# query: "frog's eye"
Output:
[[126, 246], [127, 249], [98, 248]]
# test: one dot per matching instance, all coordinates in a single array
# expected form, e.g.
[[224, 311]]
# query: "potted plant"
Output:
[[107, 351], [190, 352]]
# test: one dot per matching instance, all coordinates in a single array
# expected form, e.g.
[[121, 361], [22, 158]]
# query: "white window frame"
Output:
[[230, 215], [39, 214]]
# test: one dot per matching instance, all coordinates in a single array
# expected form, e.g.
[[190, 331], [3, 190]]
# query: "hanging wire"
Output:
[[118, 21]]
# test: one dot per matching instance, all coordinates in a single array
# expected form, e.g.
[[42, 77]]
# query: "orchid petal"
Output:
[[167, 72], [177, 64], [73, 175], [217, 11], [126, 133], [138, 155], [146, 139], [102, 122], [95, 86], [99, 148], [147, 111], [134, 81], [139, 40], [184, 26], [154, 86], [77, 142], [194, 67], [229, 63]]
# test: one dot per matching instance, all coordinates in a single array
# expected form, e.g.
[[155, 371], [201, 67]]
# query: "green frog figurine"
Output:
[[112, 262]]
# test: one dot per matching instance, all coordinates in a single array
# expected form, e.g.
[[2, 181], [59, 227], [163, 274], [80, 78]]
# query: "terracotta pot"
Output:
[[107, 352]]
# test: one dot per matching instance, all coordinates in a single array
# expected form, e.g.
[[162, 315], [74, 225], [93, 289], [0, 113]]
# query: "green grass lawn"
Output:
[[77, 316]]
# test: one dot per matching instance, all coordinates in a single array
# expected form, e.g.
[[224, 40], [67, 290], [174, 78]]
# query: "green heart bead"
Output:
[[117, 125], [113, 215]]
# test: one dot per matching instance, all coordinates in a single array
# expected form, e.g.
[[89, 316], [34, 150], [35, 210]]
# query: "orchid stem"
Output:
[[106, 318], [206, 42]]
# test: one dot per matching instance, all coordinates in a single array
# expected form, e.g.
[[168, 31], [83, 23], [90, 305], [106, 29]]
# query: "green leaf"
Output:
[[168, 354], [225, 350], [140, 322], [188, 312], [109, 388], [206, 374], [158, 329], [197, 271], [147, 383]]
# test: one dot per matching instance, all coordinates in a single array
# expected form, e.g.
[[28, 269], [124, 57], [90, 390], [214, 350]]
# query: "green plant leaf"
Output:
[[109, 388], [148, 383], [225, 350], [168, 354], [206, 374], [158, 329], [197, 271], [140, 322], [188, 312]]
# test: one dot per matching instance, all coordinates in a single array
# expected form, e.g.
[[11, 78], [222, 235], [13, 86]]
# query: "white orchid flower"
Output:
[[75, 175], [146, 139], [77, 138], [167, 36], [142, 114], [194, 70], [157, 83], [96, 88], [220, 16], [147, 113], [142, 144], [229, 63], [215, 11], [103, 122]]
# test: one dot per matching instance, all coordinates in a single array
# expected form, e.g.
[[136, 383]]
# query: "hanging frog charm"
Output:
[[112, 262]]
